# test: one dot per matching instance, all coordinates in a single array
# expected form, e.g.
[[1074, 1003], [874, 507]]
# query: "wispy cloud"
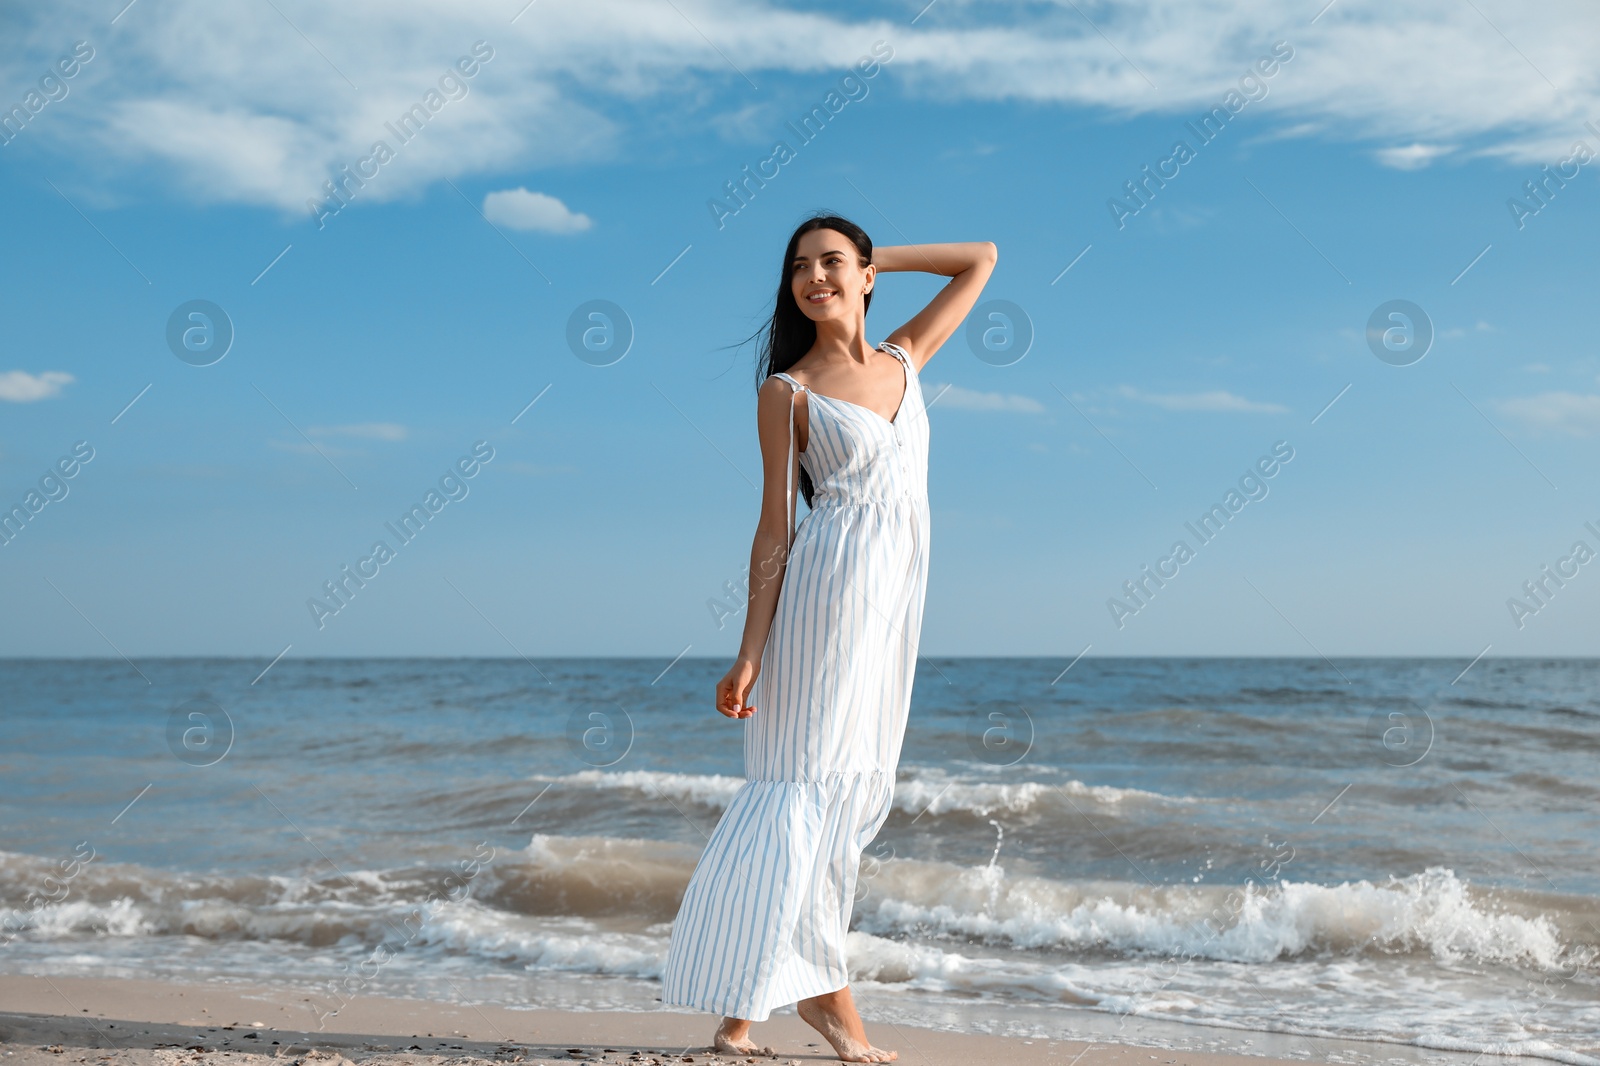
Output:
[[520, 209], [301, 447], [1456, 332], [226, 103], [1412, 156], [1574, 413], [363, 430], [19, 386], [527, 469], [1213, 400], [957, 398]]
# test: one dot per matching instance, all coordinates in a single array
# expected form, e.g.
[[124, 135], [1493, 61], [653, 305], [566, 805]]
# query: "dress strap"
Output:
[[896, 351], [789, 466]]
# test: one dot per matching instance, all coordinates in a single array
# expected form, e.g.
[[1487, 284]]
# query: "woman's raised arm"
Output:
[[967, 264]]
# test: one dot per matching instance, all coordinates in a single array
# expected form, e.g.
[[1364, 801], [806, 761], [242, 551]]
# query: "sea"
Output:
[[1348, 860]]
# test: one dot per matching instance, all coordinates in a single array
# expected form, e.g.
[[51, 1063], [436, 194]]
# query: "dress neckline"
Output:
[[905, 392]]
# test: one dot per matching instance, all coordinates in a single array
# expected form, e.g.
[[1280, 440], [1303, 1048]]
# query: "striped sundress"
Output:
[[763, 921]]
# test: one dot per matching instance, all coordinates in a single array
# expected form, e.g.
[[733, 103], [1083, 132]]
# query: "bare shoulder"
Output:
[[774, 395], [775, 386]]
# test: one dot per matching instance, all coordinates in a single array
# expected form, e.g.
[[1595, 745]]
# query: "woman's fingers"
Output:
[[731, 694], [727, 703]]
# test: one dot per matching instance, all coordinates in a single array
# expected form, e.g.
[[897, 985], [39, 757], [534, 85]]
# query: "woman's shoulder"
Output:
[[780, 388]]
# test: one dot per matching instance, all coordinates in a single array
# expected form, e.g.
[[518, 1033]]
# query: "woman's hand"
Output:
[[734, 689]]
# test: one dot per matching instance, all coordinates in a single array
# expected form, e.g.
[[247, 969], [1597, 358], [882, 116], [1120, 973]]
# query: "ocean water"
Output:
[[1382, 850]]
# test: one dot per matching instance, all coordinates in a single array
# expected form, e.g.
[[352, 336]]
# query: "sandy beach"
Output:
[[56, 1021]]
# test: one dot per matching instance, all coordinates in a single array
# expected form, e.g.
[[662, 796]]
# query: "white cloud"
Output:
[[300, 447], [1214, 400], [19, 386], [1171, 219], [390, 431], [518, 466], [255, 103], [1564, 412], [1412, 156], [749, 122], [954, 396], [520, 209]]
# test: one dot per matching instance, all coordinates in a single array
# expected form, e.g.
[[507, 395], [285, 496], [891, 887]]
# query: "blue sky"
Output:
[[577, 163]]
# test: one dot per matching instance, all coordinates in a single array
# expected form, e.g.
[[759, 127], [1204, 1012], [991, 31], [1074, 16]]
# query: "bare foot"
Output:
[[834, 1016], [733, 1038]]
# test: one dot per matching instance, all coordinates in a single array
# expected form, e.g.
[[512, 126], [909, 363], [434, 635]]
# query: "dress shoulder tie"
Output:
[[789, 467]]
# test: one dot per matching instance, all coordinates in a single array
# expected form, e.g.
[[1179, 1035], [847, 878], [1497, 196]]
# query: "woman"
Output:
[[824, 672]]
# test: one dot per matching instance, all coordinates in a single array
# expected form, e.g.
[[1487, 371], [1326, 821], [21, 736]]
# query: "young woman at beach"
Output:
[[824, 673]]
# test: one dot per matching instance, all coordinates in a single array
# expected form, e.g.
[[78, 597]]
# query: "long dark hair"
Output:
[[789, 334]]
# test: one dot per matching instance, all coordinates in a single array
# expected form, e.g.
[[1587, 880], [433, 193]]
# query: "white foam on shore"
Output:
[[1432, 911], [918, 792], [1427, 959]]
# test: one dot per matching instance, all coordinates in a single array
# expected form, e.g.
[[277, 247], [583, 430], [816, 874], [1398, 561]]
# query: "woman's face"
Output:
[[825, 278]]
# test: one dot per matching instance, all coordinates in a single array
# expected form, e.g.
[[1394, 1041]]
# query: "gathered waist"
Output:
[[835, 498]]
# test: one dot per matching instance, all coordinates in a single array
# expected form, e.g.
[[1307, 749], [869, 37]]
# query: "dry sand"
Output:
[[61, 1021]]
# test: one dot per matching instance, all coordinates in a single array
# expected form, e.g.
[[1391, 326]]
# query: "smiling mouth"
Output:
[[820, 296]]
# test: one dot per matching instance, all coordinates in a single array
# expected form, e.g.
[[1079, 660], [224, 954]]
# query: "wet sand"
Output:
[[62, 1021]]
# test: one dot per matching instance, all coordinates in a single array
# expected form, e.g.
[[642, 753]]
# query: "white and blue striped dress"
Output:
[[763, 921]]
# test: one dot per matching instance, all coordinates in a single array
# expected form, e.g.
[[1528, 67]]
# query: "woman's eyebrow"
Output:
[[832, 251]]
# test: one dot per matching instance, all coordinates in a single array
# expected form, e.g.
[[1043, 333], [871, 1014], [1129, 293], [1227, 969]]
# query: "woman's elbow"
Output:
[[771, 531]]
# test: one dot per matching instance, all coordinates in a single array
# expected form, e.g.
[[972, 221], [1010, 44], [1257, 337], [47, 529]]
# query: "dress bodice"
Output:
[[855, 456]]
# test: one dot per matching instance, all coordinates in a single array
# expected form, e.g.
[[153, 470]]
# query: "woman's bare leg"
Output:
[[834, 1016], [733, 1037]]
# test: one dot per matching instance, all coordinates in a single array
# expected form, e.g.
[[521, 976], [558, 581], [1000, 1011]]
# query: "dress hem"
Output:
[[754, 1015]]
